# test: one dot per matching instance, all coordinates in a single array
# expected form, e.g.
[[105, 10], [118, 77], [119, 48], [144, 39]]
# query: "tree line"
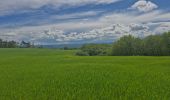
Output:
[[153, 45], [14, 44]]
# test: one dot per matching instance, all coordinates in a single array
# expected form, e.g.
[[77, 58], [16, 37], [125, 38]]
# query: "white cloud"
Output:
[[111, 32], [133, 17], [163, 27], [76, 15], [9, 6], [107, 27], [144, 6], [107, 33]]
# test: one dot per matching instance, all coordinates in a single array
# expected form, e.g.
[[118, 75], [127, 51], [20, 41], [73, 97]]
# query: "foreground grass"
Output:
[[43, 74]]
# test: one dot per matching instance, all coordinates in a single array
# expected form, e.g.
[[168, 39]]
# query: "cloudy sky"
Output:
[[81, 21]]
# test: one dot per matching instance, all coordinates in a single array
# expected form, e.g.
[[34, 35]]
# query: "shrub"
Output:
[[96, 49], [81, 53]]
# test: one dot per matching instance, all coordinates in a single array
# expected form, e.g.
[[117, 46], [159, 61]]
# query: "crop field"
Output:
[[50, 74]]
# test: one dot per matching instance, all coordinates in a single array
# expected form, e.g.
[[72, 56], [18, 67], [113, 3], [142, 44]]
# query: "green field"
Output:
[[44, 74]]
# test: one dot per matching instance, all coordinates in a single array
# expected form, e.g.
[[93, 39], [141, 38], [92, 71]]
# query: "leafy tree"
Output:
[[25, 44], [66, 48], [95, 49], [1, 43], [81, 53], [127, 46], [166, 40], [155, 46], [12, 44]]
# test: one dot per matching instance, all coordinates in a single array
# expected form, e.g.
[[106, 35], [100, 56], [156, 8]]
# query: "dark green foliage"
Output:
[[128, 46], [69, 48], [14, 44], [94, 49], [154, 45], [8, 44], [166, 39], [25, 44], [66, 48], [81, 53]]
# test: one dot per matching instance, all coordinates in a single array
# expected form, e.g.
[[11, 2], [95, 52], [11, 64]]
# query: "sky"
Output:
[[81, 21]]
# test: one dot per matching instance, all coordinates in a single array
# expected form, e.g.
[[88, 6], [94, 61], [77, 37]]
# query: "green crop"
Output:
[[50, 74]]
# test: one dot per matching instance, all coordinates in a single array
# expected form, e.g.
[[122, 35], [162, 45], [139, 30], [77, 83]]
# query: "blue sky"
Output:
[[77, 21]]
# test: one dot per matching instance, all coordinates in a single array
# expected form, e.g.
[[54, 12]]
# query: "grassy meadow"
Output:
[[49, 74]]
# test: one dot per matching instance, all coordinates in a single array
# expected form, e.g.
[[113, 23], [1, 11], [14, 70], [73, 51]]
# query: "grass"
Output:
[[44, 74]]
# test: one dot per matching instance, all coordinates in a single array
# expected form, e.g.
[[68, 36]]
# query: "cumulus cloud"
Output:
[[144, 6], [109, 26], [163, 27], [110, 32], [107, 33]]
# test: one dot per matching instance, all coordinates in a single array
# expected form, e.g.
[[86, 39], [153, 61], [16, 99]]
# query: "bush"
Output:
[[96, 49], [81, 53], [127, 46], [154, 45]]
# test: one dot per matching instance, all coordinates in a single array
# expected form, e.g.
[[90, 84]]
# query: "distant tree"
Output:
[[12, 44], [166, 40], [66, 48], [25, 44], [4, 44], [155, 46], [127, 46], [82, 53], [96, 49], [1, 43]]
